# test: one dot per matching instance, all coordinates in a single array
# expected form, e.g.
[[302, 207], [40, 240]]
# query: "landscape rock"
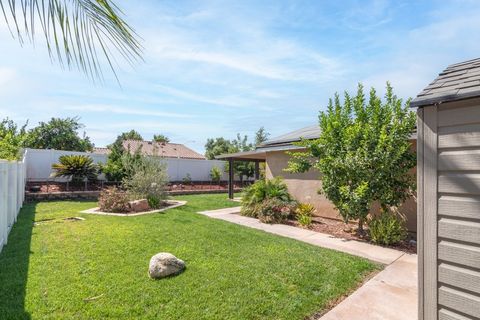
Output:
[[138, 205], [165, 264]]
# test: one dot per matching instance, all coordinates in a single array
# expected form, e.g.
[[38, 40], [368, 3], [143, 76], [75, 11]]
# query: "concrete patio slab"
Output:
[[391, 294]]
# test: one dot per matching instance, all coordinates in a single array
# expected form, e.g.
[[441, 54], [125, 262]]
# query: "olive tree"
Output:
[[363, 153]]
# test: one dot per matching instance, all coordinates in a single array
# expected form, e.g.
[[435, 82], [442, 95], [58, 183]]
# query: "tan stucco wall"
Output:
[[304, 187]]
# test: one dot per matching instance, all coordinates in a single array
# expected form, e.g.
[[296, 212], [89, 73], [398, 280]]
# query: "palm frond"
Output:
[[76, 32]]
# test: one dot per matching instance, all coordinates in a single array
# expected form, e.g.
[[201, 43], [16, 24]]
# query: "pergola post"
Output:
[[257, 170], [230, 178]]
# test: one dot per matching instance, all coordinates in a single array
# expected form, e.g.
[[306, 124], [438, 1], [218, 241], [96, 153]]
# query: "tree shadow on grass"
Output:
[[14, 260]]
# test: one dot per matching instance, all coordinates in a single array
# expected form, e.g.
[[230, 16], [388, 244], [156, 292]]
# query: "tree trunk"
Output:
[[360, 230]]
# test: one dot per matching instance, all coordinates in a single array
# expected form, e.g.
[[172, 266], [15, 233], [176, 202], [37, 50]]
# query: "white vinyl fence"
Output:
[[12, 194], [39, 165]]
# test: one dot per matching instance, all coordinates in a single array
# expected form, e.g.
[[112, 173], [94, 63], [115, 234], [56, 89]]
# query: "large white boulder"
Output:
[[165, 264]]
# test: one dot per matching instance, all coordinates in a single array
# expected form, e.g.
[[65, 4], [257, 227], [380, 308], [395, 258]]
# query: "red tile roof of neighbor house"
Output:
[[98, 150], [162, 149]]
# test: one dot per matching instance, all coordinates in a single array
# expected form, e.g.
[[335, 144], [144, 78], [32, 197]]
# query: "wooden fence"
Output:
[[12, 194]]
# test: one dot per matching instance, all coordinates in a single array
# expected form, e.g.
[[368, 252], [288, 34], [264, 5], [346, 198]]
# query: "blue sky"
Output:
[[215, 68]]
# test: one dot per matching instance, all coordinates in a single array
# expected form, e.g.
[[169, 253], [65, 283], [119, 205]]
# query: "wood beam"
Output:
[[230, 178]]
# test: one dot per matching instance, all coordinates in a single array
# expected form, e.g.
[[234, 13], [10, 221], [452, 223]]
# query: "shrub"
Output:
[[122, 167], [76, 167], [154, 202], [304, 220], [274, 210], [113, 200], [215, 174], [187, 179], [387, 228], [148, 181], [304, 213], [256, 193]]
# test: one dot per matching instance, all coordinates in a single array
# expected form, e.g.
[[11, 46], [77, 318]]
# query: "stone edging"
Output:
[[173, 204]]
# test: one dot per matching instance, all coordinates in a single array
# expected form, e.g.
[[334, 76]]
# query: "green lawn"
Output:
[[97, 268]]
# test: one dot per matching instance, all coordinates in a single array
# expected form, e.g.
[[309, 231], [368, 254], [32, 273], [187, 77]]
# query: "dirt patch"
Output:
[[53, 220], [340, 229], [74, 219]]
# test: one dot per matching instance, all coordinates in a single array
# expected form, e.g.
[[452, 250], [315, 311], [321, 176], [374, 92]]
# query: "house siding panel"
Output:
[[458, 211]]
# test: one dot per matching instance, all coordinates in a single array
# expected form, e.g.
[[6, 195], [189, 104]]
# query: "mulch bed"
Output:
[[347, 231], [54, 187]]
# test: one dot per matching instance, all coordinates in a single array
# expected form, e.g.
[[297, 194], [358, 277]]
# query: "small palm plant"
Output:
[[215, 174], [262, 190], [76, 167]]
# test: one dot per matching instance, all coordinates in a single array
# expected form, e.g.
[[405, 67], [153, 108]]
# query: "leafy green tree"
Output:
[[217, 146], [12, 139], [76, 32], [59, 134], [261, 136], [243, 168], [363, 153], [160, 138], [120, 160]]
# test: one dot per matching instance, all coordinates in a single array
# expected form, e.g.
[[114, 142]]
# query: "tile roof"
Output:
[[162, 149], [458, 81], [100, 150], [310, 132]]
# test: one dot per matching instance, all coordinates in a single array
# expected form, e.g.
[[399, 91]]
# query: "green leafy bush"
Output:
[[304, 213], [256, 193], [187, 179], [215, 174], [12, 139], [387, 228], [148, 181], [275, 210], [76, 167], [113, 200], [154, 202]]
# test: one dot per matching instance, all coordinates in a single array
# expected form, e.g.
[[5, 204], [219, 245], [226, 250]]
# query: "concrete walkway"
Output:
[[391, 294]]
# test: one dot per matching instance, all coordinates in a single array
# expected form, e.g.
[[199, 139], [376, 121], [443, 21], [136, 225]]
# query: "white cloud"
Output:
[[126, 111], [232, 101]]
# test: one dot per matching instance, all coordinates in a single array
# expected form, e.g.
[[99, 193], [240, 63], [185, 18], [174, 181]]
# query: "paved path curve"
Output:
[[390, 295]]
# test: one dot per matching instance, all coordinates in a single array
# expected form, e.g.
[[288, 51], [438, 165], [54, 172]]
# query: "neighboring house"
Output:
[[100, 150], [305, 186], [449, 194], [158, 149], [162, 149]]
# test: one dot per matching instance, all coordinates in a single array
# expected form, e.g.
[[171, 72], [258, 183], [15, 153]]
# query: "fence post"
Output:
[[18, 190], [12, 194], [3, 204], [14, 191]]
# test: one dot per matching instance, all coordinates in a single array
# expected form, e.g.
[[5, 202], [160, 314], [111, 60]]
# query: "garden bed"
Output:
[[174, 187], [170, 204], [339, 229]]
